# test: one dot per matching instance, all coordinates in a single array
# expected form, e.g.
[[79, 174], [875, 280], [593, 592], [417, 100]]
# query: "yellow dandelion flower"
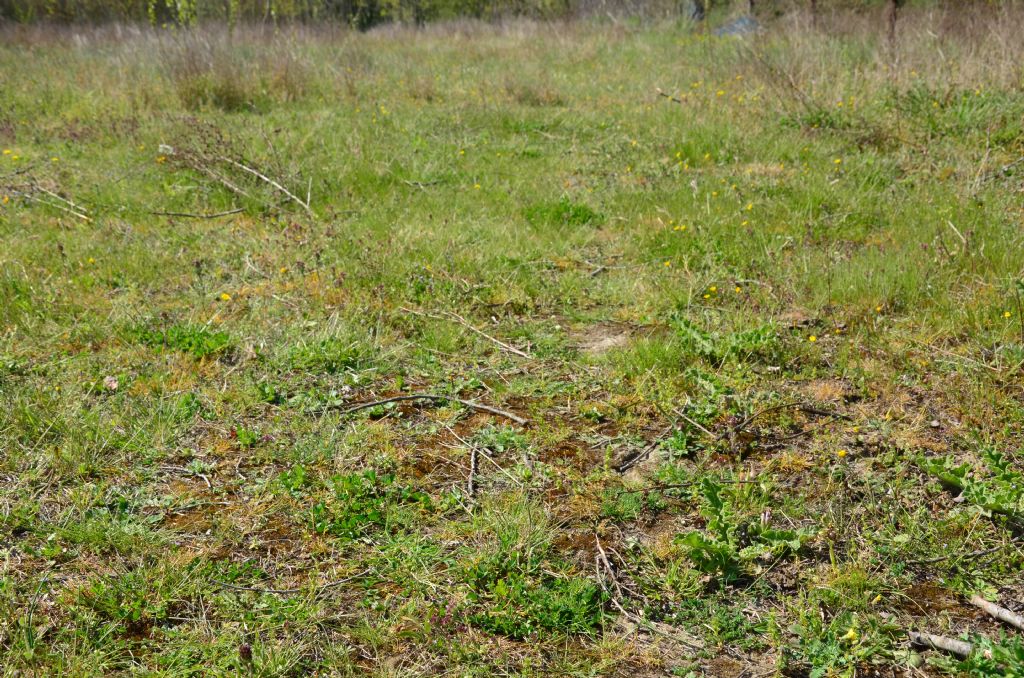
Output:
[[707, 296], [476, 186], [738, 289], [668, 264], [878, 309], [6, 199], [224, 296], [284, 269], [851, 636], [841, 453], [161, 158], [838, 161], [7, 151], [720, 93], [1006, 314], [712, 289], [812, 338]]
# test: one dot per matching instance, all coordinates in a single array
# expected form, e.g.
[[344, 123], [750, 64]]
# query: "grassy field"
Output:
[[753, 349]]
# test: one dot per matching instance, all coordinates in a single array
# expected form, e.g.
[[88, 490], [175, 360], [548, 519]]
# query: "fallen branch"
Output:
[[959, 648], [438, 398], [972, 554], [471, 481], [635, 458], [1001, 613], [485, 456], [800, 405], [285, 592], [57, 207], [74, 209], [601, 559], [693, 423], [245, 168], [669, 96], [465, 323], [189, 215]]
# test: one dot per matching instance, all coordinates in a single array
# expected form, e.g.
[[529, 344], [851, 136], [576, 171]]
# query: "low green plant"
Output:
[[995, 487], [331, 356], [727, 546], [515, 595], [197, 341], [361, 503], [1003, 657], [564, 212], [760, 344]]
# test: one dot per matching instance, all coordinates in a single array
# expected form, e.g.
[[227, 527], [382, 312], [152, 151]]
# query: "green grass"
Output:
[[700, 280]]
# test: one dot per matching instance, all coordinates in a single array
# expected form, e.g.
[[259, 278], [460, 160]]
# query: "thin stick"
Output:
[[285, 592], [270, 181], [465, 323], [669, 96], [999, 612], [802, 406], [77, 210], [607, 564], [1020, 311], [958, 647], [693, 423], [56, 206], [438, 398], [972, 554], [485, 456], [471, 481], [511, 349], [189, 215], [221, 178], [680, 637], [632, 460]]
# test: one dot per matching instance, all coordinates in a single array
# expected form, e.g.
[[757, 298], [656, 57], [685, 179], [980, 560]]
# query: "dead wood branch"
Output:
[[635, 458], [485, 456], [436, 397], [471, 481], [800, 405], [1001, 613], [465, 323], [669, 96], [601, 562], [189, 215], [972, 554], [285, 592], [268, 180], [959, 648]]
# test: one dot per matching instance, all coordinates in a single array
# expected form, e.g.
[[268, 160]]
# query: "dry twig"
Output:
[[285, 592], [959, 648], [465, 323], [436, 397], [1001, 613], [189, 215]]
